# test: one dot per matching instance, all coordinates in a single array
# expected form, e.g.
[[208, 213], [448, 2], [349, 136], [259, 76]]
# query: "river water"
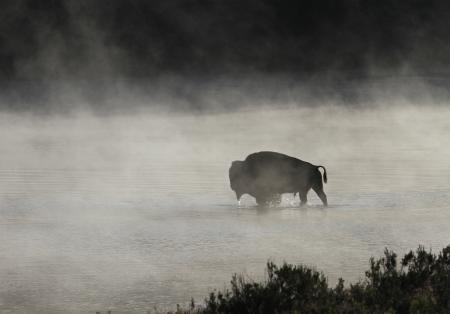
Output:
[[132, 212]]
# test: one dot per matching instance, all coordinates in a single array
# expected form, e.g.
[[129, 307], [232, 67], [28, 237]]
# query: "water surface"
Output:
[[129, 212]]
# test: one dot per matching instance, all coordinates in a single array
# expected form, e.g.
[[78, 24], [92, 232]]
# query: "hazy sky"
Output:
[[181, 48]]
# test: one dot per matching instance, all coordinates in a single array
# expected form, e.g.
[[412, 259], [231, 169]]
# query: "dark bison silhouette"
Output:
[[267, 175]]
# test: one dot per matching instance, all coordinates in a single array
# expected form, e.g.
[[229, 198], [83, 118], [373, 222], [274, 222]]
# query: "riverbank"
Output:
[[419, 282]]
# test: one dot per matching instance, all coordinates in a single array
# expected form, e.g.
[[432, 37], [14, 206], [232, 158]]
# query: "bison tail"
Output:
[[324, 173]]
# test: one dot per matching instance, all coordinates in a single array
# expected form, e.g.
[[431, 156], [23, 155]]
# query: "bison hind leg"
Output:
[[269, 200], [323, 197], [303, 197], [275, 199]]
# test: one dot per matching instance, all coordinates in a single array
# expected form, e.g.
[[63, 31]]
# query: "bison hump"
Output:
[[267, 161], [268, 156]]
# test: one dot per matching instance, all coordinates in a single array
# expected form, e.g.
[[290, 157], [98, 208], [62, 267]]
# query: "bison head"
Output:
[[239, 179]]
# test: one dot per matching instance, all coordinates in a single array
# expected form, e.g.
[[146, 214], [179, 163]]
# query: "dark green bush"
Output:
[[419, 283]]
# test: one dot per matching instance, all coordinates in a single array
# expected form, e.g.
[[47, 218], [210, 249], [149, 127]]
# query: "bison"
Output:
[[267, 175]]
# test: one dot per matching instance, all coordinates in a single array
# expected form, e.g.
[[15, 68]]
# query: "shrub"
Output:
[[419, 283]]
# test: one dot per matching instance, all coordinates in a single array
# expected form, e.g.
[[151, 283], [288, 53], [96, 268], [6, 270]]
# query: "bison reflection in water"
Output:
[[267, 175]]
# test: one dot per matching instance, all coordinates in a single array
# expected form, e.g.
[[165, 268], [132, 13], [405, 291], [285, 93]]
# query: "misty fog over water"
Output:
[[131, 211], [120, 119]]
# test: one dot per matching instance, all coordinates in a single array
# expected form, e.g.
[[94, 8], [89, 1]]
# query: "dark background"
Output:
[[46, 42]]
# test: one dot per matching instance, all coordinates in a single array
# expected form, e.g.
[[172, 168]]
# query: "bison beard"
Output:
[[267, 175]]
